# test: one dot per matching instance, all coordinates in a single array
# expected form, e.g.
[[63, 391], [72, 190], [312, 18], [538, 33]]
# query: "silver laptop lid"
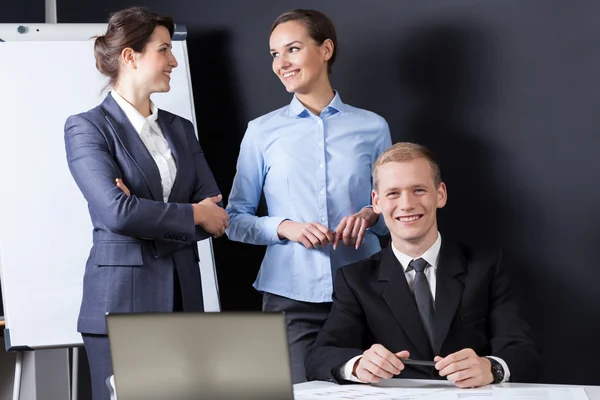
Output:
[[200, 356]]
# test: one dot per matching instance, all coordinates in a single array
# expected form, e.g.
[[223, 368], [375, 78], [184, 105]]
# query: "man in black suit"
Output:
[[422, 297]]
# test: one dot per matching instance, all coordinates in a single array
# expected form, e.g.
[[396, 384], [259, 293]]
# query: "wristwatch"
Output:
[[497, 370]]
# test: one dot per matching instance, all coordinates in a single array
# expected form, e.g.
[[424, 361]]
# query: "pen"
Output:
[[408, 361]]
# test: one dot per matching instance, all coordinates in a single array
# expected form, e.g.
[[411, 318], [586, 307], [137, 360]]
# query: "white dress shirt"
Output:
[[431, 255], [154, 140]]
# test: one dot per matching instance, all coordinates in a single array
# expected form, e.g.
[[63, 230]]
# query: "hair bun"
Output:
[[100, 40], [100, 51]]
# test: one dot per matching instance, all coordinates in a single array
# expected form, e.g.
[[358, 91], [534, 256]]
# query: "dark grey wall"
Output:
[[16, 11], [505, 92]]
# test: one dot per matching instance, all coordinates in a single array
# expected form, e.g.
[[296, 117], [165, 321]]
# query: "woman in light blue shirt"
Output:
[[313, 160]]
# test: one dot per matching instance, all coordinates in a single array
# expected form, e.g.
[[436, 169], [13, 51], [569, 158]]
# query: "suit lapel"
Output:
[[400, 300], [449, 289], [133, 145], [177, 147]]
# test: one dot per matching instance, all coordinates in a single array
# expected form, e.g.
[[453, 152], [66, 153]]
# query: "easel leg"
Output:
[[74, 373], [18, 370]]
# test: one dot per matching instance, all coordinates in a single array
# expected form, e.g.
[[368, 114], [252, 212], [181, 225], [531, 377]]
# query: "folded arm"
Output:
[[95, 170]]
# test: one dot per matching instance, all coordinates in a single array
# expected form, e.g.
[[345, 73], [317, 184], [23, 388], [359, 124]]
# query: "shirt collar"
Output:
[[137, 120], [431, 255], [298, 110]]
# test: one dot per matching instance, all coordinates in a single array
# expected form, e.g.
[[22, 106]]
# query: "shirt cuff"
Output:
[[379, 228], [271, 225], [379, 217], [504, 366], [345, 371]]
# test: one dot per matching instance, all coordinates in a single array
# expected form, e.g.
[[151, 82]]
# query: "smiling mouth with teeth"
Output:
[[289, 74], [411, 218]]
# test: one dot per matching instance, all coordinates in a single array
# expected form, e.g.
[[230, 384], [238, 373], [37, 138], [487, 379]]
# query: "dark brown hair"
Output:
[[407, 151], [320, 28], [131, 27]]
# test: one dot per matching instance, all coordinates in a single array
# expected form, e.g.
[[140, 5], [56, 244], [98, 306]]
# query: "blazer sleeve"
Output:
[[204, 185], [343, 336], [510, 335], [95, 170]]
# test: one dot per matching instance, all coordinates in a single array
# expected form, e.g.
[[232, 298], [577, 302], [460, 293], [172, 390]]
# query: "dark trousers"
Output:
[[98, 350], [98, 355], [304, 320]]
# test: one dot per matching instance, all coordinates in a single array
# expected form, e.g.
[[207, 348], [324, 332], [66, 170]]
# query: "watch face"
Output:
[[497, 371]]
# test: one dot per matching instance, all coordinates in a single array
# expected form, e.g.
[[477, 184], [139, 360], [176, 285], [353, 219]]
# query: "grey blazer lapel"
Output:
[[400, 300], [175, 136], [133, 146], [449, 290]]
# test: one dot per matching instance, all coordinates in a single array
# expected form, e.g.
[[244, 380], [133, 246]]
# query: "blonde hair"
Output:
[[407, 151]]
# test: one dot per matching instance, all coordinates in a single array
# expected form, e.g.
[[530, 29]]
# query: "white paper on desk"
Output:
[[539, 394], [460, 394], [352, 392]]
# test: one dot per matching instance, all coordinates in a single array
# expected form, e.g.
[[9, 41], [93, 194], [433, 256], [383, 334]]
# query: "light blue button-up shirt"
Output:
[[312, 169]]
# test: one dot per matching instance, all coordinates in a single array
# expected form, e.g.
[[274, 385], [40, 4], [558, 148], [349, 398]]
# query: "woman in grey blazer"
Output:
[[150, 192]]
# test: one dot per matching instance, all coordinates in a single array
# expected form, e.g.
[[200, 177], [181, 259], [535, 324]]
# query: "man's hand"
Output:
[[310, 234], [210, 216], [465, 368], [351, 229], [378, 363]]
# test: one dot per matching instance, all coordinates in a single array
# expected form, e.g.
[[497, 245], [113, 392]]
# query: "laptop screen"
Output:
[[200, 356]]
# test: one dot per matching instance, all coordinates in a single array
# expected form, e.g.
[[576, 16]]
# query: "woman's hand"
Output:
[[210, 216], [352, 228], [122, 186], [310, 234]]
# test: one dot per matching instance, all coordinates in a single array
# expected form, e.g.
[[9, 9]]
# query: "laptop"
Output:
[[213, 356]]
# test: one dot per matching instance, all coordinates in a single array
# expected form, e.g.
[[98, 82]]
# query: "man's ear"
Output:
[[442, 195], [375, 202]]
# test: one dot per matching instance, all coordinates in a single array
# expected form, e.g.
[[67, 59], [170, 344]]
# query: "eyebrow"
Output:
[[166, 44], [289, 44], [415, 186]]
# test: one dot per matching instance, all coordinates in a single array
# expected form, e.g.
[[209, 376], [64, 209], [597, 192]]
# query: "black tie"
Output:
[[423, 296]]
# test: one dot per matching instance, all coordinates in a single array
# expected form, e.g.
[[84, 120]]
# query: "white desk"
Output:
[[593, 392]]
